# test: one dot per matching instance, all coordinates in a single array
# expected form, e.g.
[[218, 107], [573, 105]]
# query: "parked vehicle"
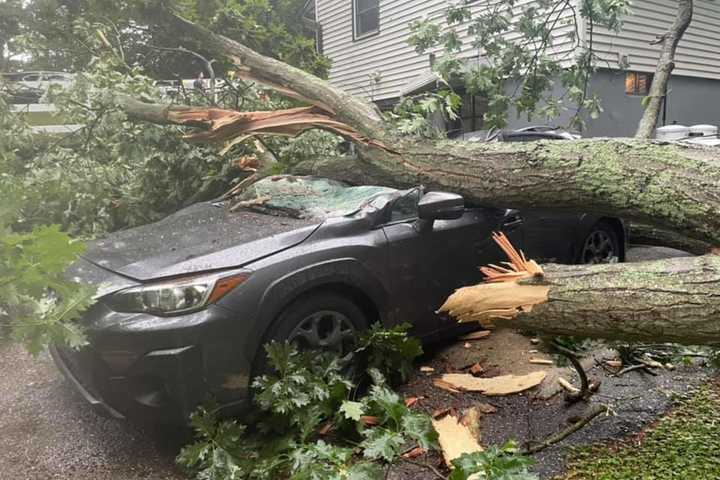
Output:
[[185, 304], [32, 87]]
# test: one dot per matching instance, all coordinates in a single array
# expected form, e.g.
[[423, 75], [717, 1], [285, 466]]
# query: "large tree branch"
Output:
[[671, 186], [284, 78], [665, 66], [673, 300]]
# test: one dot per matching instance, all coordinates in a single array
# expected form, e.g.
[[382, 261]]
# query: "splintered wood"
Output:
[[508, 290], [502, 385], [218, 124], [455, 438]]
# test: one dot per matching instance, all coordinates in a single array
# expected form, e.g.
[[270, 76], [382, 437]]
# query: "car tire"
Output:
[[326, 321], [601, 245]]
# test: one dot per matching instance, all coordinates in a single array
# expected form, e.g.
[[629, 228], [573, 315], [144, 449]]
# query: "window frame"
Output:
[[635, 90], [355, 14]]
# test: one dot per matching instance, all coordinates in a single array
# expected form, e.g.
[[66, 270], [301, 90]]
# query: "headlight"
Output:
[[176, 296]]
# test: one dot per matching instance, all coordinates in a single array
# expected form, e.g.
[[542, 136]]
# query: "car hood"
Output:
[[198, 238]]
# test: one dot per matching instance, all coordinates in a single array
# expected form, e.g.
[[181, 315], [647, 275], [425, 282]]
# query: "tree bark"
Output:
[[670, 186], [665, 66], [673, 300]]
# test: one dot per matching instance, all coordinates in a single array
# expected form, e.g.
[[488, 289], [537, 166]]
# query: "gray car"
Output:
[[185, 304]]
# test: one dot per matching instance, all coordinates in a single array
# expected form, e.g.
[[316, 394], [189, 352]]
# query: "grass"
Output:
[[683, 445]]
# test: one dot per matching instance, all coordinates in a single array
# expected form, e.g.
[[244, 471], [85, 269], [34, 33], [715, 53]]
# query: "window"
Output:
[[405, 207], [637, 83], [366, 17], [470, 116]]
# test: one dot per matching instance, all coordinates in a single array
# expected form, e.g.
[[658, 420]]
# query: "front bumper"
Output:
[[157, 370]]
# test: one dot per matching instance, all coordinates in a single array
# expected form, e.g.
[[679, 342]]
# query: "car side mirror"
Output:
[[439, 206]]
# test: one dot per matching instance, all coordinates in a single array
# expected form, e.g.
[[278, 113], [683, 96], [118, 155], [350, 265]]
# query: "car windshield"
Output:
[[314, 197]]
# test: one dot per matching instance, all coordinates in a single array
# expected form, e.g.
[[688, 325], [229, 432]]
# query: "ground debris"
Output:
[[501, 385], [455, 438], [477, 370], [541, 361], [476, 335]]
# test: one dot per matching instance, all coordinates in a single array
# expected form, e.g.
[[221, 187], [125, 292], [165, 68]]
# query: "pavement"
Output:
[[47, 432]]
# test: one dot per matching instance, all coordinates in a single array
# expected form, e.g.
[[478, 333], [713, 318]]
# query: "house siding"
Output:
[[388, 54], [690, 101], [698, 53]]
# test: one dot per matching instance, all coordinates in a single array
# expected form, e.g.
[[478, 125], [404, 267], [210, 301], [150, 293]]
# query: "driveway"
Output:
[[49, 433]]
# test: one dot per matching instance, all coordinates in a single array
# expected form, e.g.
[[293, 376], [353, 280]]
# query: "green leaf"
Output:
[[352, 410], [382, 444]]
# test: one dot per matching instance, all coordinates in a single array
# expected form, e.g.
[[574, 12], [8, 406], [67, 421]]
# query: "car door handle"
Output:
[[513, 221]]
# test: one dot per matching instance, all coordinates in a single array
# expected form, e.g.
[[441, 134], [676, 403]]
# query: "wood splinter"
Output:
[[508, 290]]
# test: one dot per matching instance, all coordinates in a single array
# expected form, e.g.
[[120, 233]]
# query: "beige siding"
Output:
[[387, 53], [698, 53]]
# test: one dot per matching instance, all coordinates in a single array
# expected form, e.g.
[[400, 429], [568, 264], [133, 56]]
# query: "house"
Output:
[[367, 42]]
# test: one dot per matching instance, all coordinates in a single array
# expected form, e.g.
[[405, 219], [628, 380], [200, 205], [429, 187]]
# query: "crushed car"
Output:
[[185, 304]]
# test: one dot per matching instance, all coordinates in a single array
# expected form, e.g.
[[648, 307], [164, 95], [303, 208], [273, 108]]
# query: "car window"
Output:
[[406, 206]]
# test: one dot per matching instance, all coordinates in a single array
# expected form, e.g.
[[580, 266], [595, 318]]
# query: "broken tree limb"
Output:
[[671, 186], [563, 434], [644, 234], [219, 125], [673, 300]]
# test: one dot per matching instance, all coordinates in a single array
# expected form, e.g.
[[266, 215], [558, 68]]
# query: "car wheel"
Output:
[[327, 322], [601, 245]]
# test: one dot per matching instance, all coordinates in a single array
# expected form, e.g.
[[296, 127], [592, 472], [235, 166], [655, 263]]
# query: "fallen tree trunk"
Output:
[[671, 186], [674, 300], [643, 234]]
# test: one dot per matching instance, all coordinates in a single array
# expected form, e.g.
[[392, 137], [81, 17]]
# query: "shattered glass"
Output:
[[316, 197]]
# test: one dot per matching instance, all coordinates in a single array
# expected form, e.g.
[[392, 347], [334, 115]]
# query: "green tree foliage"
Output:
[[513, 42], [38, 305], [51, 33], [314, 424], [391, 351]]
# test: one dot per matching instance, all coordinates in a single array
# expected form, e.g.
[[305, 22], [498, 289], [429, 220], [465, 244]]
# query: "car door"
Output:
[[427, 266], [549, 236]]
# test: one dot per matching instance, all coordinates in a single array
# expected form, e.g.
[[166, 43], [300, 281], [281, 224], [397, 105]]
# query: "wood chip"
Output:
[[410, 401], [454, 438], [614, 363], [370, 421], [502, 385], [486, 408], [467, 345], [326, 428], [568, 386], [541, 361], [427, 369], [477, 369], [441, 412], [534, 341], [446, 386], [414, 453], [476, 335]]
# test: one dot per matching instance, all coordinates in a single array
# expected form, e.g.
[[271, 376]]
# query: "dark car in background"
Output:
[[185, 304]]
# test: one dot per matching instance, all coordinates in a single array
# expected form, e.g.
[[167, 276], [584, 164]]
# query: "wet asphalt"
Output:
[[48, 432]]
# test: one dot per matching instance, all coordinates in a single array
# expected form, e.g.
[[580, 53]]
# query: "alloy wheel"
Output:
[[599, 248], [325, 330]]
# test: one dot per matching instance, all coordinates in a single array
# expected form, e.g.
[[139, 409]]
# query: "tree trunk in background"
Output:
[[665, 66]]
